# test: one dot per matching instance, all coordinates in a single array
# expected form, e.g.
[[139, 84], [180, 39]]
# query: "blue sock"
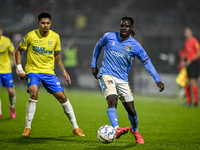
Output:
[[133, 122], [112, 115]]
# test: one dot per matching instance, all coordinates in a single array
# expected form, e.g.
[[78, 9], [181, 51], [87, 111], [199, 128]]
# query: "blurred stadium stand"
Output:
[[159, 24]]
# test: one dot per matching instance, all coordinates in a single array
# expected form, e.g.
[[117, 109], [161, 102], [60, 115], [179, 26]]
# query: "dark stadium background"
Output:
[[159, 23]]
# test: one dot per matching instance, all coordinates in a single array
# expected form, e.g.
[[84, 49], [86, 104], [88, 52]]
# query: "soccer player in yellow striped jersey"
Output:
[[43, 47], [6, 77]]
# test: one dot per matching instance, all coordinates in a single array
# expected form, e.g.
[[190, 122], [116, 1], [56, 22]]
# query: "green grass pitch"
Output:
[[163, 122]]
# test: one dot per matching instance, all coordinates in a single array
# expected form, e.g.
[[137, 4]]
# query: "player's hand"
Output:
[[22, 76], [68, 79], [95, 72], [160, 85], [188, 62]]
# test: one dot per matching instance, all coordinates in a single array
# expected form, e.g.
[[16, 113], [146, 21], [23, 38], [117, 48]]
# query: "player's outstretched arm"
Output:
[[95, 72], [59, 62], [20, 72], [152, 71]]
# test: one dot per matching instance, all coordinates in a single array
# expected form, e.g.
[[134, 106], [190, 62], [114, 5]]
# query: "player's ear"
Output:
[[132, 28]]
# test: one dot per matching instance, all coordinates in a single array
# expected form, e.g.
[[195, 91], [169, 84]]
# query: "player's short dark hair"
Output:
[[1, 27], [44, 15], [128, 18]]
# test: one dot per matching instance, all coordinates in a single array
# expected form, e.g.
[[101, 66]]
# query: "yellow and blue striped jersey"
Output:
[[6, 46], [40, 51]]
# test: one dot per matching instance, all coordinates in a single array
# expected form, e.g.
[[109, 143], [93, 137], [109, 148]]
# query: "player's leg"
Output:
[[112, 111], [195, 90], [109, 90], [68, 109], [33, 82], [0, 98], [108, 87], [12, 99], [7, 80], [188, 95], [52, 85], [126, 98]]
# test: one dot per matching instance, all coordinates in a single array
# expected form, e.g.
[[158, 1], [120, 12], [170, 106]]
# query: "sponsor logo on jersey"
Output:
[[128, 48], [41, 50], [38, 41], [1, 53]]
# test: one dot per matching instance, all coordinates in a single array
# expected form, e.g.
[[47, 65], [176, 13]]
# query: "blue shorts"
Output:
[[7, 80], [49, 81]]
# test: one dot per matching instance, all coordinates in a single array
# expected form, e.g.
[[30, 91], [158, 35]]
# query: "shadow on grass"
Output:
[[95, 144], [114, 147], [5, 119]]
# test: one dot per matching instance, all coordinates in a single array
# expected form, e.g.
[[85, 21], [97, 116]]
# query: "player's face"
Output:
[[44, 25], [188, 33], [125, 28]]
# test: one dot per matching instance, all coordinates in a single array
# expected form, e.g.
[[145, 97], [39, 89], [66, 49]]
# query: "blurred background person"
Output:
[[6, 77], [71, 61], [192, 63], [180, 66]]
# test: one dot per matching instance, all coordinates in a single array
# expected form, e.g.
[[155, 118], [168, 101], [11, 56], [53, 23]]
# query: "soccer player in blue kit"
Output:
[[120, 50]]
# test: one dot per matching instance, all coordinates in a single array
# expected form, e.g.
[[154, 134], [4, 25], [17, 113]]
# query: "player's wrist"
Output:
[[20, 69]]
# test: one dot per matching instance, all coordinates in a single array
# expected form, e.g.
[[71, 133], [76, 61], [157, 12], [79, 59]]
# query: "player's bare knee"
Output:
[[34, 95], [112, 101], [62, 99]]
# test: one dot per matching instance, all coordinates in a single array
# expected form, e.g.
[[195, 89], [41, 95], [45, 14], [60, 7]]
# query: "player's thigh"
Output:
[[107, 85], [124, 92], [33, 84], [51, 83], [11, 91], [7, 80]]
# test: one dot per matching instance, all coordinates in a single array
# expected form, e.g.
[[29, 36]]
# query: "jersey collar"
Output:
[[122, 38]]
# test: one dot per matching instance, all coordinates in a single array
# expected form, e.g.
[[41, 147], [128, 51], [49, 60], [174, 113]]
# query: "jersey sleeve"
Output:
[[141, 53], [196, 44], [24, 42], [97, 50], [58, 44], [103, 41]]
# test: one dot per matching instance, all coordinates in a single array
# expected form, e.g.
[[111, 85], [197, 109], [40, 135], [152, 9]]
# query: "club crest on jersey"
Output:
[[110, 82], [128, 48], [113, 43], [50, 42]]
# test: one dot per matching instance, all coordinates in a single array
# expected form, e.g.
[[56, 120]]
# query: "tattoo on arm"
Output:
[[59, 61]]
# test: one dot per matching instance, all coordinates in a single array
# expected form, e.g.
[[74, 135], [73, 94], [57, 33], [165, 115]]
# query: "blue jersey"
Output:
[[118, 56]]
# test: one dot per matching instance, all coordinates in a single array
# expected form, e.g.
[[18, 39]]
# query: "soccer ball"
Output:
[[106, 134]]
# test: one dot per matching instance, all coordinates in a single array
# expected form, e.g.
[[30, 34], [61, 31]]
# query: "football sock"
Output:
[[133, 122], [195, 93], [70, 113], [112, 115], [0, 107], [187, 92], [12, 101], [30, 111]]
